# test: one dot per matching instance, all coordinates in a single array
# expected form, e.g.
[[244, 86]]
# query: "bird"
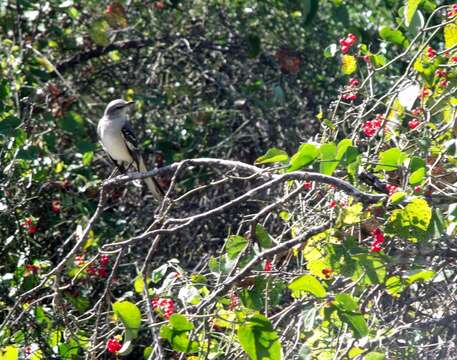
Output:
[[118, 140]]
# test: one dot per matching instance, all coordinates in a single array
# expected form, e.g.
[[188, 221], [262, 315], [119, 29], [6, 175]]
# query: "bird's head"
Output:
[[118, 108]]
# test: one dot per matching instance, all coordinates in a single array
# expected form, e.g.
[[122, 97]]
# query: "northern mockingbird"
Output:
[[119, 141]]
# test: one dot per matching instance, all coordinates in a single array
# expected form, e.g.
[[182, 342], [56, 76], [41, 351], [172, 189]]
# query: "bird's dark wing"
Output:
[[131, 141], [374, 181]]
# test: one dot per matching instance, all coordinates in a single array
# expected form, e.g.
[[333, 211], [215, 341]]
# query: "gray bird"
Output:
[[118, 140]]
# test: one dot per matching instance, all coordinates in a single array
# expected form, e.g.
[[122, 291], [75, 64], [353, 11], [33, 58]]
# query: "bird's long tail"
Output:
[[151, 183]]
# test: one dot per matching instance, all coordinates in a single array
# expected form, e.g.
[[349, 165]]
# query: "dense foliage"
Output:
[[309, 156]]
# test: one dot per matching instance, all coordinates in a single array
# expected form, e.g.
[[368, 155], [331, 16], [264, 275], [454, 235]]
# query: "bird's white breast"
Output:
[[113, 142]]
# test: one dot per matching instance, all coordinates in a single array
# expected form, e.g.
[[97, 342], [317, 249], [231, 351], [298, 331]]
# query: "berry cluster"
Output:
[[369, 128], [452, 11], [30, 225], [378, 240], [308, 185], [268, 265], [113, 345], [99, 269], [391, 189], [346, 44], [431, 53], [414, 123], [350, 91], [327, 272], [425, 92], [165, 305]]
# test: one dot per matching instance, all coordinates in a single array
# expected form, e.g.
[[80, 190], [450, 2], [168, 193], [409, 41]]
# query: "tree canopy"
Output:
[[308, 154]]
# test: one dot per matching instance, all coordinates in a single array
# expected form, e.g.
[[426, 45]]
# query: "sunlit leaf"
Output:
[[348, 65], [235, 245], [410, 9], [273, 155], [309, 284], [259, 340], [450, 35], [305, 155]]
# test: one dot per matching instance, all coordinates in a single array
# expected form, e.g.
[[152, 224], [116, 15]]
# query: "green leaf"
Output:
[[391, 159], [374, 356], [179, 339], [253, 45], [418, 170], [351, 214], [9, 353], [263, 236], [259, 340], [98, 32], [369, 269], [8, 124], [180, 323], [138, 284], [346, 302], [273, 155], [348, 313], [393, 36], [147, 352], [356, 322], [305, 155], [411, 222], [397, 197], [235, 245], [348, 65], [420, 275], [450, 35], [309, 284], [73, 123], [410, 9], [130, 316], [328, 159], [394, 285]]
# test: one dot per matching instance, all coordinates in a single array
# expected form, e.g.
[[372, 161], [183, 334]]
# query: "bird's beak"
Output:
[[129, 103]]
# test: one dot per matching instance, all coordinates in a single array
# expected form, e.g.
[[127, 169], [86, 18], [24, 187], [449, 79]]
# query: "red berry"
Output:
[[417, 189], [431, 53], [32, 268], [101, 272], [417, 111], [414, 123], [425, 92], [443, 83], [391, 188], [352, 38], [344, 42], [268, 265], [109, 9], [375, 248], [454, 59], [308, 185], [441, 73], [55, 206], [113, 345], [104, 260], [327, 272], [345, 49], [367, 59], [332, 204], [32, 229], [378, 235], [353, 82]]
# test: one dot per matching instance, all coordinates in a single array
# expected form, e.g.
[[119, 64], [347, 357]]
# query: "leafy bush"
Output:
[[308, 152]]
